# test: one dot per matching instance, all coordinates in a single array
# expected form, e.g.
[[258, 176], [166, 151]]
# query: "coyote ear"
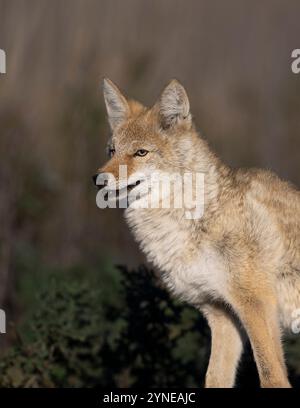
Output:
[[116, 104], [174, 105]]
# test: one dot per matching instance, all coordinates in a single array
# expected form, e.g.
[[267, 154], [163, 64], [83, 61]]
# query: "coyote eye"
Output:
[[111, 151], [141, 152]]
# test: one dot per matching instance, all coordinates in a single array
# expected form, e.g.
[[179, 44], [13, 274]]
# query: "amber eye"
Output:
[[111, 151], [141, 152]]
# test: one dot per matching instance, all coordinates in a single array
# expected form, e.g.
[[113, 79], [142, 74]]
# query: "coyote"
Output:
[[239, 264]]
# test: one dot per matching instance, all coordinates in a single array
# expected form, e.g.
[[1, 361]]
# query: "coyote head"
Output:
[[159, 139]]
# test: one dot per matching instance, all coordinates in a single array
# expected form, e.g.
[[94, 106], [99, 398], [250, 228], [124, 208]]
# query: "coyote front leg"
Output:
[[226, 347], [257, 309]]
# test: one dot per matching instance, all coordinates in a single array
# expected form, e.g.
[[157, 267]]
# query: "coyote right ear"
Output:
[[116, 104], [174, 105]]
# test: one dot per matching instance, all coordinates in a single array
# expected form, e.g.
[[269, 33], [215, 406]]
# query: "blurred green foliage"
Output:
[[163, 343], [117, 329], [77, 337], [65, 340]]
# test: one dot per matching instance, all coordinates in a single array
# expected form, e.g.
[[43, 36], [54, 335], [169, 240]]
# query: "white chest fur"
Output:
[[193, 271]]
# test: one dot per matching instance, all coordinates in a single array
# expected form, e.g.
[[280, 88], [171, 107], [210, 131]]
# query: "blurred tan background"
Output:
[[233, 57]]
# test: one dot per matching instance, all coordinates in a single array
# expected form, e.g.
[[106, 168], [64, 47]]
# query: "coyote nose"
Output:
[[95, 179], [100, 185]]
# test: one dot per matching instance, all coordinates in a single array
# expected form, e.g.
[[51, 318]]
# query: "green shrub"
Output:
[[74, 339], [84, 335], [163, 343], [66, 335]]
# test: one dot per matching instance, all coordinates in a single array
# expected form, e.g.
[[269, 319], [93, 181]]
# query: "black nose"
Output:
[[102, 181], [95, 179]]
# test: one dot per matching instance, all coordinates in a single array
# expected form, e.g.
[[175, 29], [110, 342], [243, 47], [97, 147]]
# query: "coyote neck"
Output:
[[217, 176], [218, 187]]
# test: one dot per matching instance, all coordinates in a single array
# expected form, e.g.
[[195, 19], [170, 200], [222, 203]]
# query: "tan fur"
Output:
[[239, 263]]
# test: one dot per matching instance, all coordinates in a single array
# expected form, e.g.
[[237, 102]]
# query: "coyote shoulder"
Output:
[[239, 264]]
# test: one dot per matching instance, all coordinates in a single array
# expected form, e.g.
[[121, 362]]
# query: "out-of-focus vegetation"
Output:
[[234, 59], [128, 332], [78, 336]]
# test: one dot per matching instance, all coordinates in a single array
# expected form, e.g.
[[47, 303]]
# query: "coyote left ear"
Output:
[[116, 104], [174, 105]]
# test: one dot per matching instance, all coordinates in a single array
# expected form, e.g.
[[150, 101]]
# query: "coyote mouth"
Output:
[[131, 186], [121, 192], [127, 189]]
